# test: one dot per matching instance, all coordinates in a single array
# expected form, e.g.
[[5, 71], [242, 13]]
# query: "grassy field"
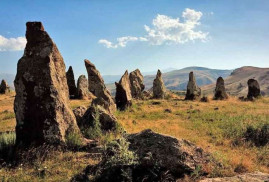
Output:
[[216, 126]]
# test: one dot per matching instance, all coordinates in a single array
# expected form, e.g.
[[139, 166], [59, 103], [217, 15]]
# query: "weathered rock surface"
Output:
[[248, 177], [107, 120], [71, 83], [137, 84], [220, 92], [4, 88], [42, 108], [253, 89], [97, 85], [79, 113], [178, 156], [123, 92], [83, 90], [158, 86], [193, 91]]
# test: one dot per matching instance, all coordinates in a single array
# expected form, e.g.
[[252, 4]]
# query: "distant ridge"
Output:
[[178, 79], [236, 83]]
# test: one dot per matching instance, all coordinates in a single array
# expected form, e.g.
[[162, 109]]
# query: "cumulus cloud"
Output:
[[167, 30], [12, 44]]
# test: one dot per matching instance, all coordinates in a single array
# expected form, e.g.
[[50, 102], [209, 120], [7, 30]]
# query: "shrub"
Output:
[[7, 143], [95, 130], [259, 136], [73, 139]]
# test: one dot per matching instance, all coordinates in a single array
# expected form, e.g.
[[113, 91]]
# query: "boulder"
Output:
[[123, 92], [220, 92], [137, 84], [193, 91], [107, 120], [253, 89], [82, 89], [180, 157], [71, 83], [158, 86], [247, 177], [97, 86], [41, 105], [79, 113], [4, 88]]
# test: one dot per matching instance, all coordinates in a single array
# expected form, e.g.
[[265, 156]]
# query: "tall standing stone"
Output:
[[4, 88], [137, 84], [253, 89], [158, 86], [220, 92], [71, 83], [42, 108], [193, 91], [97, 85], [82, 88], [123, 92]]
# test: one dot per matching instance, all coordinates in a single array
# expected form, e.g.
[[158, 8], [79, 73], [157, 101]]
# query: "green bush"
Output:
[[7, 143], [118, 154], [95, 131], [73, 139]]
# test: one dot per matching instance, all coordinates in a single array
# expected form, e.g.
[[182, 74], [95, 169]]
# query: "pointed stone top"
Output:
[[220, 79], [4, 82], [35, 33], [89, 64], [70, 68], [159, 73]]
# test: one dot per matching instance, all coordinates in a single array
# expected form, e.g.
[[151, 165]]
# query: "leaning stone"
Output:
[[4, 88], [193, 91], [71, 83], [137, 84], [253, 89], [82, 88], [97, 86], [158, 86], [42, 107], [220, 92], [123, 93]]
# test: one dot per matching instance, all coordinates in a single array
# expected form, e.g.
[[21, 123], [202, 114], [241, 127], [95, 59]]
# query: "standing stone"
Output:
[[42, 108], [193, 91], [97, 85], [71, 83], [253, 89], [82, 88], [220, 93], [4, 88], [123, 92], [137, 84], [158, 86]]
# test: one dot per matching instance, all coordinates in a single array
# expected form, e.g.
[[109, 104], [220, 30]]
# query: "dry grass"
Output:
[[216, 126]]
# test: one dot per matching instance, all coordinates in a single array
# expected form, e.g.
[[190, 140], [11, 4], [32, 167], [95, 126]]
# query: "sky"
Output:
[[147, 34]]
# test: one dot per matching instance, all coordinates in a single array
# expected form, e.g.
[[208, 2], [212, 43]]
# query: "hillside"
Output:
[[178, 79], [236, 83]]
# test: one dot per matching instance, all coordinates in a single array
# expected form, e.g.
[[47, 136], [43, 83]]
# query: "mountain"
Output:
[[178, 79], [9, 78], [236, 83], [115, 78]]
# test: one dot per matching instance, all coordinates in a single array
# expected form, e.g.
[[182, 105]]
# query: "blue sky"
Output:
[[223, 34]]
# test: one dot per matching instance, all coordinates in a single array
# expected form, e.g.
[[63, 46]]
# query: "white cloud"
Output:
[[12, 44], [121, 41], [167, 30]]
